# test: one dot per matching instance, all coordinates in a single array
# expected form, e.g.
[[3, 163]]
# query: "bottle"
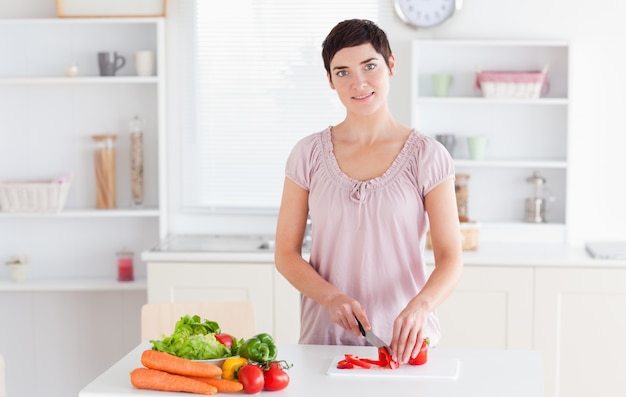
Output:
[[135, 127], [460, 188], [104, 161]]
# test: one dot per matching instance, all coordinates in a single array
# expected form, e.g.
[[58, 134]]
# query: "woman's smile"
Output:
[[363, 97]]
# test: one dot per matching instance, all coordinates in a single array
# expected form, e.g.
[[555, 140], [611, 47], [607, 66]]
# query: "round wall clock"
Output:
[[426, 13]]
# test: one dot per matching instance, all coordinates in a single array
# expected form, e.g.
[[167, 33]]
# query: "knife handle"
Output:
[[360, 326]]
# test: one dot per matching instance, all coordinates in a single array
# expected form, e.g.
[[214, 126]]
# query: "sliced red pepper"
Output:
[[373, 362], [357, 361], [343, 364], [386, 360]]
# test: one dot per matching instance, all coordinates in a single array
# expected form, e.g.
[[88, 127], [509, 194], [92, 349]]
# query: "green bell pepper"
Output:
[[260, 348]]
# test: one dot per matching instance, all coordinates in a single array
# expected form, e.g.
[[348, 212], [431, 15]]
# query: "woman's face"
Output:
[[361, 78]]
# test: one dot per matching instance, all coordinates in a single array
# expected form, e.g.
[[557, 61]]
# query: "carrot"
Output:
[[154, 359], [223, 385], [153, 379]]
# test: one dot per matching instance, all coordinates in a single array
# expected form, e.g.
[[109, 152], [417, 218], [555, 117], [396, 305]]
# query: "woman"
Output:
[[371, 186]]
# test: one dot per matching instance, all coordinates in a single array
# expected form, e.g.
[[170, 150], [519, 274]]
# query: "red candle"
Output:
[[125, 266]]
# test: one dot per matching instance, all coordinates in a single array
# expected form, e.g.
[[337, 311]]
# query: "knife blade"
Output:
[[372, 338]]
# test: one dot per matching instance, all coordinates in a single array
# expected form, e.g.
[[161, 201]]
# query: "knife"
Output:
[[372, 338]]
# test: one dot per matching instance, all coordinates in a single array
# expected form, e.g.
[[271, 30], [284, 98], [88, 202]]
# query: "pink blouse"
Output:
[[368, 236]]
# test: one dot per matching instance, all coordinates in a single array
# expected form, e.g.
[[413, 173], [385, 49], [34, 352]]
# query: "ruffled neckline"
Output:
[[386, 177]]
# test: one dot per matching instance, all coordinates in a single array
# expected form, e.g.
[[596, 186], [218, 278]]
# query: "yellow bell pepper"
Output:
[[231, 366]]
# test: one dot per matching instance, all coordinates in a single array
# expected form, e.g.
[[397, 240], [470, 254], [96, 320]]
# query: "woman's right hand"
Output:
[[342, 310]]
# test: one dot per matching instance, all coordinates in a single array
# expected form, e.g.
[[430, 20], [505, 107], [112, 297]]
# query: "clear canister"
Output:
[[104, 161], [460, 187], [136, 161]]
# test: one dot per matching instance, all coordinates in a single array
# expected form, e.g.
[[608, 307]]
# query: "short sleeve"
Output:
[[434, 164], [300, 162]]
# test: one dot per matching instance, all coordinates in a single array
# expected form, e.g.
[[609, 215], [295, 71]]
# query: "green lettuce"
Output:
[[195, 340]]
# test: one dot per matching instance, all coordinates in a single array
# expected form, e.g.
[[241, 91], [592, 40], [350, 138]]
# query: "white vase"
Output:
[[19, 271]]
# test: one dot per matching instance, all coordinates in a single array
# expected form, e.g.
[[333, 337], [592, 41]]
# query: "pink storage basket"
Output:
[[512, 84]]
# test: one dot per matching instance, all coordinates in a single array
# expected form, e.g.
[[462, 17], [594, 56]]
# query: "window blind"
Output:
[[259, 87]]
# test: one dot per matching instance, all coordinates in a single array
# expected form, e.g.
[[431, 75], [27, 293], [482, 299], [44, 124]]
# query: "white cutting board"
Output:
[[435, 367]]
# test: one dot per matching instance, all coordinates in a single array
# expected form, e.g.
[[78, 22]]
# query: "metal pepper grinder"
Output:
[[536, 204]]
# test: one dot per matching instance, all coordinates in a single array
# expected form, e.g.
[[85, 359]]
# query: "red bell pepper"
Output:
[[422, 356], [386, 360]]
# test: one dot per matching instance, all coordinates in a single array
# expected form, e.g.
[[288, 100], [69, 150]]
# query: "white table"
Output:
[[482, 373]]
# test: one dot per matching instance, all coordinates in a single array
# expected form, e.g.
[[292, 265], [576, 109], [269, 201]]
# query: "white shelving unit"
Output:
[[47, 122], [524, 135]]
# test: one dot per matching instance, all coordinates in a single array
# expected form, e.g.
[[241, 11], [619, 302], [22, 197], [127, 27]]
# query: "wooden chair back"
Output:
[[234, 318]]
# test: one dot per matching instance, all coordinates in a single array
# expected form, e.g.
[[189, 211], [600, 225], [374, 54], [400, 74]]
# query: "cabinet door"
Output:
[[580, 325], [491, 308], [287, 302], [193, 282]]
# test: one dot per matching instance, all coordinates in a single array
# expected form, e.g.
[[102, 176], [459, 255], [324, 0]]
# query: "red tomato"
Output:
[[275, 377], [422, 356], [251, 377], [224, 339]]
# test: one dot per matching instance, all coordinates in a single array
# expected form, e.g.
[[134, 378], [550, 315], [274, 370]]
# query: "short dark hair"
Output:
[[352, 33]]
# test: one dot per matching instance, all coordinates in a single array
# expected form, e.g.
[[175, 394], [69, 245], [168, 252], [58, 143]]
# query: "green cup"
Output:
[[441, 84], [477, 146]]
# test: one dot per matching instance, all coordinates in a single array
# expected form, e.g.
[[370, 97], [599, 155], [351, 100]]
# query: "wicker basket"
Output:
[[508, 84], [469, 237], [35, 195]]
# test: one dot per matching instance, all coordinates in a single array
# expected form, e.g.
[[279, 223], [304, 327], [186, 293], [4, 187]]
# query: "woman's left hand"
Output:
[[408, 333]]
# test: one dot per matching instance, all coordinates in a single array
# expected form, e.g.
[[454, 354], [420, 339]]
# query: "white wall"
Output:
[[596, 185], [596, 180]]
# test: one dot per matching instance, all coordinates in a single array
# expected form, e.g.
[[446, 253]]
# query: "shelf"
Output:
[[491, 101], [88, 213], [511, 163], [524, 134], [79, 285], [499, 232], [79, 21], [78, 80]]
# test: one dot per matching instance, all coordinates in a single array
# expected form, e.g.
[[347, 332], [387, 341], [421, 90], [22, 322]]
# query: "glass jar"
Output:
[[125, 265], [135, 127], [104, 161], [460, 187]]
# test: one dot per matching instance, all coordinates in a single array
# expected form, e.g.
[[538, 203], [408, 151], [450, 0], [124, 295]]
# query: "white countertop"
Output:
[[482, 373], [488, 254], [79, 285]]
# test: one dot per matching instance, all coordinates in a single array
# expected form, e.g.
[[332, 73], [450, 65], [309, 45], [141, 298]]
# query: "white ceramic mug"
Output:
[[144, 63]]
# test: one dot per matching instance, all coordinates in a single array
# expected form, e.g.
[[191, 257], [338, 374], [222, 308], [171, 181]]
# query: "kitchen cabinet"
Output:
[[49, 119], [524, 135], [580, 326], [55, 340], [491, 308], [276, 302]]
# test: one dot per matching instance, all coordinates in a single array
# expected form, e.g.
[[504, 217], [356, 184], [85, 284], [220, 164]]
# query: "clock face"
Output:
[[425, 13]]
